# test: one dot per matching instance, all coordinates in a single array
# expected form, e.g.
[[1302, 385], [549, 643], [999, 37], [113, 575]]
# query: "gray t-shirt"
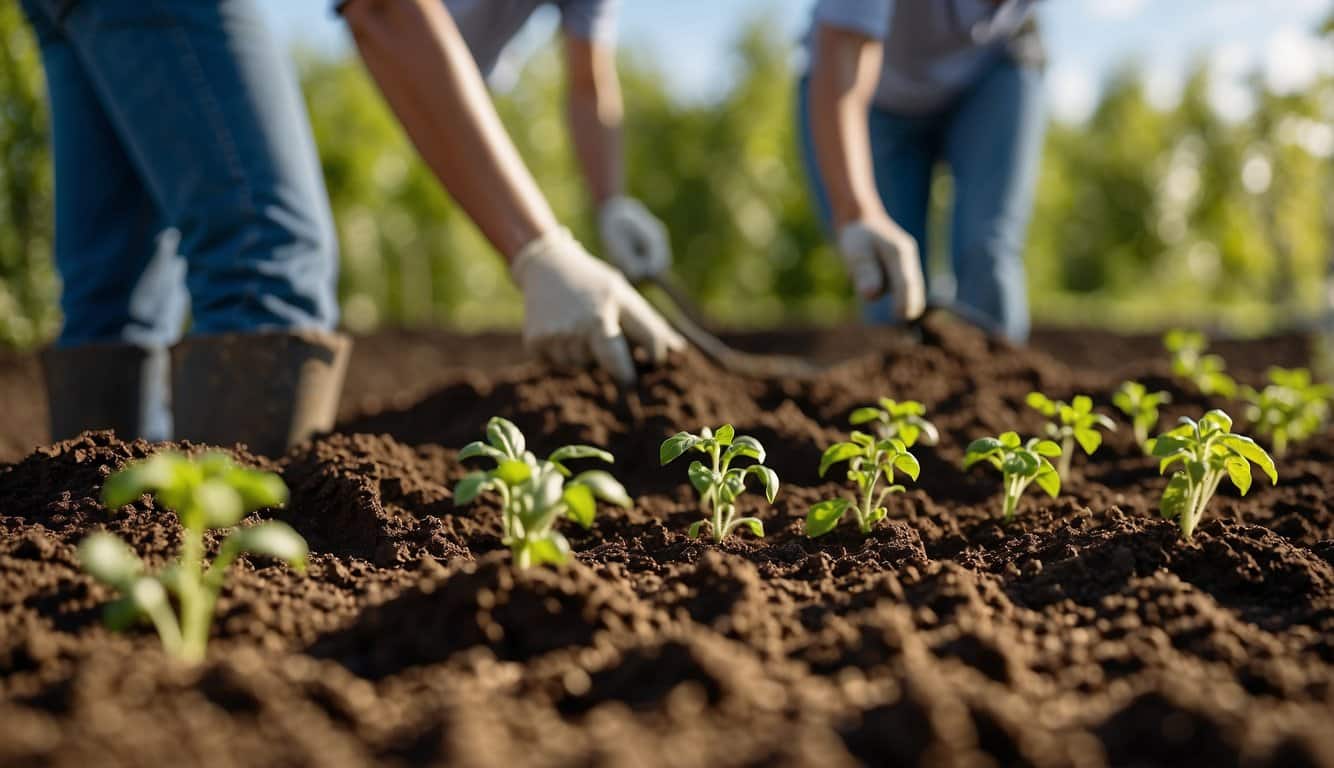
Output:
[[933, 48], [488, 25]]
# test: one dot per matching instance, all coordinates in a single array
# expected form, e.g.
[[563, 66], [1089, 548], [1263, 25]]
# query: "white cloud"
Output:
[[1116, 9], [1292, 60], [1229, 92], [1163, 85], [1073, 93]]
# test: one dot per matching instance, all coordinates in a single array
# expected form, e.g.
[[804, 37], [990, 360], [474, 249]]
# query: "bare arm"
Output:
[[843, 80], [594, 111], [422, 66], [879, 256]]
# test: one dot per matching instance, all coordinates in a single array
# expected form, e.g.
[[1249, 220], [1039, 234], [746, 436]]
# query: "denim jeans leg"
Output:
[[994, 148], [122, 281], [208, 108]]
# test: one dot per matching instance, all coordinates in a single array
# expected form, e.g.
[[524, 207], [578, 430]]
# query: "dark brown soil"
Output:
[[1083, 634]]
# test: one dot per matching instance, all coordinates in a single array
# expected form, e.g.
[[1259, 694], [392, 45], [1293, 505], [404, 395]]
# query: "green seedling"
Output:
[[209, 493], [869, 460], [1207, 452], [718, 482], [1073, 422], [1290, 408], [1020, 464], [1141, 407], [905, 422], [1190, 362], [535, 493]]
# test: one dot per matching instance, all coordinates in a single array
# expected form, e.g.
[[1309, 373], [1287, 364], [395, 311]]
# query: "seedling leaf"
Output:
[[838, 452], [504, 435], [1251, 451], [676, 445], [1239, 472], [701, 477], [470, 487], [582, 506], [863, 415], [220, 504], [109, 560], [274, 539], [755, 525], [745, 446], [257, 489], [478, 448], [1048, 480], [908, 465], [1174, 501], [1088, 439], [512, 472], [821, 518], [768, 477], [604, 487], [568, 452]]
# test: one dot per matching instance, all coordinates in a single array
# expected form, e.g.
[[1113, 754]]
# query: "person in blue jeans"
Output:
[[186, 182], [185, 167], [896, 87]]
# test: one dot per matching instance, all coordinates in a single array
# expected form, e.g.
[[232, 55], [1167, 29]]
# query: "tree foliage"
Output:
[[1143, 215]]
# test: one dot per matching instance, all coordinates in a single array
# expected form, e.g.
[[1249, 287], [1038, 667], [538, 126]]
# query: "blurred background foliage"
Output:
[[1145, 216], [28, 285]]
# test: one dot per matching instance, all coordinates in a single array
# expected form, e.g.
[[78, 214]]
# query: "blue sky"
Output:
[[1088, 40]]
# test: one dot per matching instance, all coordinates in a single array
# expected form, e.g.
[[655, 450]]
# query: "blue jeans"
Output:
[[184, 166], [991, 139]]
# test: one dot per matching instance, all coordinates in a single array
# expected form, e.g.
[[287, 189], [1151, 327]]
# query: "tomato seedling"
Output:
[[1020, 465], [535, 493], [903, 421], [1073, 422], [1207, 452], [211, 492], [718, 482], [869, 460], [1141, 407], [1189, 361], [1291, 407]]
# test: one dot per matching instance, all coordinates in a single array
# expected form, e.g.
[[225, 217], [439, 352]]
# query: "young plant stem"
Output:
[[720, 517], [1014, 488], [1067, 453], [1280, 443], [864, 512], [864, 515], [1141, 435], [722, 521], [523, 557], [508, 513], [196, 607], [168, 628], [1200, 495]]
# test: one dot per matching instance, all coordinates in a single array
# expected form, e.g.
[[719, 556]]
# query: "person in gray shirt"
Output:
[[896, 87], [577, 309], [635, 240]]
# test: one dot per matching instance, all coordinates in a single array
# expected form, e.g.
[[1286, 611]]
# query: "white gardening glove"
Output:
[[636, 241], [881, 257], [575, 308]]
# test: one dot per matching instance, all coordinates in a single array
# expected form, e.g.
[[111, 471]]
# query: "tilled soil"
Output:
[[1085, 633]]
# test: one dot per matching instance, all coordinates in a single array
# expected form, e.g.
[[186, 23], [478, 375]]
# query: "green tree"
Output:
[[28, 311]]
